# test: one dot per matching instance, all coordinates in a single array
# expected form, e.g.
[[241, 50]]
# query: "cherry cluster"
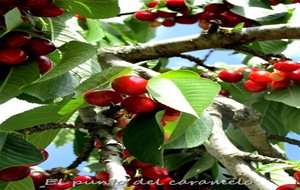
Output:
[[16, 173], [285, 73], [17, 47], [41, 8], [170, 12], [291, 186]]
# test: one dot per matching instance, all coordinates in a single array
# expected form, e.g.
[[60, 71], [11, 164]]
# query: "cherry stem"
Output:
[[284, 139], [124, 14]]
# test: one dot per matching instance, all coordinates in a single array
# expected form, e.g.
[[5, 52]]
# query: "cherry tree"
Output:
[[138, 123]]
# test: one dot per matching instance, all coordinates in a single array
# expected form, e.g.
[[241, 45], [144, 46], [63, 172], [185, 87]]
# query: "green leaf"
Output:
[[252, 3], [174, 161], [270, 47], [95, 33], [288, 96], [37, 116], [53, 88], [79, 141], [267, 168], [63, 137], [193, 136], [143, 138], [238, 139], [17, 77], [64, 29], [43, 139], [72, 106], [142, 31], [184, 91], [102, 78], [12, 19], [91, 8], [16, 152], [270, 120], [204, 163], [74, 53], [23, 184], [290, 116]]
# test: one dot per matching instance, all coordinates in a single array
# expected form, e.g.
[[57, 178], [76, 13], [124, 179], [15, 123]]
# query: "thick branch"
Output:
[[248, 121], [222, 149], [173, 47]]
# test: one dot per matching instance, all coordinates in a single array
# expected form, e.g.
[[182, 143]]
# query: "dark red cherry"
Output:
[[145, 15], [230, 76], [17, 39], [38, 178], [130, 85], [37, 3], [286, 66], [130, 170], [102, 176], [138, 104], [138, 164], [155, 172], [215, 8], [4, 2], [39, 46], [252, 86], [47, 11], [13, 56], [44, 63], [297, 176], [168, 23], [102, 97], [14, 173], [165, 14], [45, 154], [176, 4], [186, 19]]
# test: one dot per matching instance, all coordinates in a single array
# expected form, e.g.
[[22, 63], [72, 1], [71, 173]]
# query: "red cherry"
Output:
[[260, 76], [3, 2], [60, 186], [14, 173], [130, 170], [288, 187], [130, 85], [295, 75], [186, 19], [37, 3], [45, 154], [252, 86], [230, 76], [39, 46], [38, 178], [97, 144], [138, 164], [102, 97], [119, 134], [224, 93], [126, 154], [278, 75], [152, 4], [168, 23], [17, 39], [286, 66], [176, 4], [165, 14], [215, 8], [103, 176], [165, 181], [155, 172], [280, 84], [83, 179], [171, 115], [13, 56], [138, 104], [47, 11], [297, 176], [44, 63], [145, 15], [273, 2]]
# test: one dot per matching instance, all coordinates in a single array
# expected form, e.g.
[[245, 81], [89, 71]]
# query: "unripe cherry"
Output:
[[130, 85], [252, 86], [102, 97], [138, 104], [286, 66], [230, 76], [278, 75]]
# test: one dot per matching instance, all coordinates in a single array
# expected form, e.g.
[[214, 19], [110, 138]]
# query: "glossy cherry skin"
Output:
[[138, 104], [45, 64], [38, 178], [45, 154], [260, 76], [81, 179], [138, 164], [165, 14], [230, 76], [130, 170], [152, 4], [287, 187], [14, 173], [102, 97], [130, 85], [145, 15], [280, 84], [215, 7], [39, 46], [286, 66], [252, 86], [13, 56], [176, 4], [60, 186], [168, 23], [17, 39], [297, 176], [224, 93], [295, 75], [47, 11], [103, 176], [155, 172]]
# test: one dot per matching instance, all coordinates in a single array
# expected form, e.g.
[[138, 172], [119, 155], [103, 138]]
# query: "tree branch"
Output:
[[284, 139], [173, 47], [51, 126], [221, 148], [199, 62], [248, 121]]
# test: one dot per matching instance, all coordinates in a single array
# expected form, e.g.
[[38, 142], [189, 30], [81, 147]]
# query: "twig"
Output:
[[51, 126], [124, 14], [199, 62], [284, 139], [259, 158], [88, 148]]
